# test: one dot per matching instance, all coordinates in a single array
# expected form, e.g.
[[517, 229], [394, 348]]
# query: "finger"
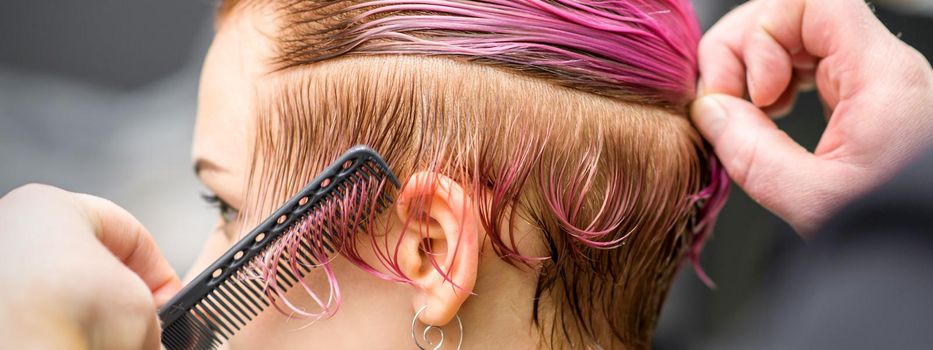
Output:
[[785, 103], [769, 68], [720, 60], [126, 318], [821, 27], [844, 31], [132, 244], [772, 168]]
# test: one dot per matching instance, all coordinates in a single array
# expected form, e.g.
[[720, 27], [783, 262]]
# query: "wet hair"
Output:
[[566, 115]]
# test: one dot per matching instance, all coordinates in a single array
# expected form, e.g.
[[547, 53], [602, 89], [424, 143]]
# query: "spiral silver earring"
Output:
[[424, 334]]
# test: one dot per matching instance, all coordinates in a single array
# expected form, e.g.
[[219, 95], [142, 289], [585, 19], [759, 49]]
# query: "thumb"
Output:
[[767, 164], [131, 243]]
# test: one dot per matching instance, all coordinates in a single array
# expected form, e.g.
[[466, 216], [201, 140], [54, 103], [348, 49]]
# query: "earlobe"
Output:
[[439, 248]]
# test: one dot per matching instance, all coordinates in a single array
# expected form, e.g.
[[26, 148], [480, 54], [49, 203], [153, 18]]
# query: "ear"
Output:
[[439, 247]]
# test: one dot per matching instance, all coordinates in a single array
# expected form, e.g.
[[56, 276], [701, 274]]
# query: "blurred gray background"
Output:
[[99, 96]]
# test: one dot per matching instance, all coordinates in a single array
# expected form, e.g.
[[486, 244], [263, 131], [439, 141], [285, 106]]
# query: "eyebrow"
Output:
[[201, 164]]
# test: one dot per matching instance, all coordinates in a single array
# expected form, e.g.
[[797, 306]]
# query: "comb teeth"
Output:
[[228, 295]]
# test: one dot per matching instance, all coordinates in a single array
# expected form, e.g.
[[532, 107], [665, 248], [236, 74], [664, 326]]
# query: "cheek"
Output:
[[367, 306], [220, 238]]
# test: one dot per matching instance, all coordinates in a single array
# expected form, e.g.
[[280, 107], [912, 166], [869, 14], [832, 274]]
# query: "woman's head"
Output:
[[551, 178]]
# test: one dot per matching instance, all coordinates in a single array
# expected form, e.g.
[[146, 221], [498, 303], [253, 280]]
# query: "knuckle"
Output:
[[30, 191], [709, 42], [140, 310], [141, 304], [918, 69], [134, 295], [131, 300], [127, 314]]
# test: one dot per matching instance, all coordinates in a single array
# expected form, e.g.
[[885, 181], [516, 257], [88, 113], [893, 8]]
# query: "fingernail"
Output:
[[709, 116]]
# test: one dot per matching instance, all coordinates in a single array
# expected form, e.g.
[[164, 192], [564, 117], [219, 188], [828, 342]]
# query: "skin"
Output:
[[876, 89], [234, 65], [79, 248]]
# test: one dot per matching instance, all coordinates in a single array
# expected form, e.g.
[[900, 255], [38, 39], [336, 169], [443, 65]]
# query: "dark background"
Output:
[[99, 96]]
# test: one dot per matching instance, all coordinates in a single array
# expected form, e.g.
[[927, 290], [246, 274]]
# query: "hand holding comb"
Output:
[[222, 299]]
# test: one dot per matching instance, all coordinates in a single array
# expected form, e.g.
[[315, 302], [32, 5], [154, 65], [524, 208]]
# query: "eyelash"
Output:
[[227, 212]]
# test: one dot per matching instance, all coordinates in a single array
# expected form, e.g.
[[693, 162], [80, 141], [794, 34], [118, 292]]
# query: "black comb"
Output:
[[215, 305]]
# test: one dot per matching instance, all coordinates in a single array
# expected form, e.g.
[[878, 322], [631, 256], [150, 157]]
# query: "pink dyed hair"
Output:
[[643, 50], [638, 51]]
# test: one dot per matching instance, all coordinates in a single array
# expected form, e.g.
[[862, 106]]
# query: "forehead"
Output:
[[234, 65]]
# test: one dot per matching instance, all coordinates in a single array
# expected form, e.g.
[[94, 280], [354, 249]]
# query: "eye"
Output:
[[227, 212]]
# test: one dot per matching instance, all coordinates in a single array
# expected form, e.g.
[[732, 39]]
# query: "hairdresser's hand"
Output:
[[878, 94], [77, 272]]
